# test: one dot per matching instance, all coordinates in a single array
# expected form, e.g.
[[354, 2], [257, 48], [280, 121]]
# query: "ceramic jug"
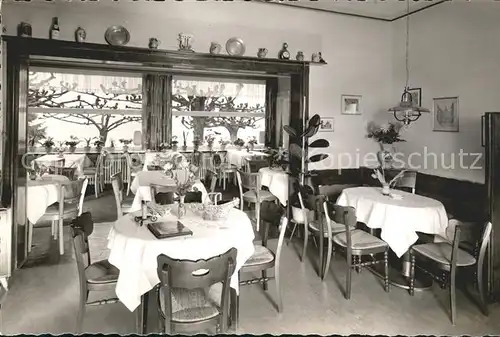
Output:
[[315, 57], [262, 52], [154, 43], [215, 48], [300, 56]]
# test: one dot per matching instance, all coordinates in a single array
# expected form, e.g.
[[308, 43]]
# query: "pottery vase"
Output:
[[386, 190], [300, 56], [182, 207], [80, 35], [72, 149], [385, 155], [262, 52], [223, 147], [175, 148], [184, 148], [48, 149], [86, 149], [215, 48], [153, 43], [239, 147]]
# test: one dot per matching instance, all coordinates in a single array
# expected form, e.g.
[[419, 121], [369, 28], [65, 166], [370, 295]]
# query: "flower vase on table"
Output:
[[385, 156], [182, 207]]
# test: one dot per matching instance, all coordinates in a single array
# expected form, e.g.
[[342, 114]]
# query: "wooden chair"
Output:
[[254, 164], [254, 195], [123, 205], [222, 169], [95, 175], [407, 181], [448, 258], [263, 259], [70, 205], [182, 303], [132, 169], [197, 160], [96, 276], [3, 295], [355, 242]]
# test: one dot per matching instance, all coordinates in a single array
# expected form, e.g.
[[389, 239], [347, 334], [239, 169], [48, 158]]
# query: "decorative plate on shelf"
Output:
[[117, 36], [235, 47]]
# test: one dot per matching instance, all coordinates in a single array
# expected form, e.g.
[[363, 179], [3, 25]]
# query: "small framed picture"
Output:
[[327, 124], [416, 96], [351, 105], [445, 114]]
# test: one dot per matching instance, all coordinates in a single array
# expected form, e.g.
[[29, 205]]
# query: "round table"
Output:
[[134, 249], [277, 181], [398, 219]]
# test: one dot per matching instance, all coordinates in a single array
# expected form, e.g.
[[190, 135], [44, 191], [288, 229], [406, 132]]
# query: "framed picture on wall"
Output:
[[351, 105], [416, 96], [327, 124], [445, 114]]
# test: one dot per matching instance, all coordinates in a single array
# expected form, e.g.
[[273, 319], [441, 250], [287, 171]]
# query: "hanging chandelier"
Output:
[[407, 111]]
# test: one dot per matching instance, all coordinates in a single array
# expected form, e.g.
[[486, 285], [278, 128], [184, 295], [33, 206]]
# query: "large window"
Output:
[[226, 109], [85, 106]]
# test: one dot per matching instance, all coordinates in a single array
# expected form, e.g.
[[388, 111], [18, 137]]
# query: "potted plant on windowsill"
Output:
[[163, 147], [72, 143], [87, 140], [173, 143], [223, 144], [210, 139], [239, 143], [48, 144], [99, 145], [112, 145], [196, 143], [251, 143], [125, 143]]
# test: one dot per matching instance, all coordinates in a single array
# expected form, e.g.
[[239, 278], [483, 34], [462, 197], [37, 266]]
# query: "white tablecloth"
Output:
[[40, 194], [133, 249], [79, 161], [141, 186], [398, 219], [237, 157], [150, 157], [277, 181]]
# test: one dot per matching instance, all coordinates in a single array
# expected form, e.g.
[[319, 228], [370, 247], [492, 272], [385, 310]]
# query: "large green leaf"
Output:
[[320, 143], [291, 131], [315, 120], [317, 157]]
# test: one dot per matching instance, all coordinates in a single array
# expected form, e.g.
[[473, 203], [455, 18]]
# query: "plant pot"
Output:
[[175, 148], [211, 147], [98, 149], [31, 149], [223, 147], [111, 149], [86, 149], [196, 147], [184, 148], [48, 149], [125, 148], [251, 147], [72, 149], [385, 155], [239, 147], [386, 190]]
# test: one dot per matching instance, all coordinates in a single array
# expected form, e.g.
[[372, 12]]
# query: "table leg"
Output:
[[141, 316], [401, 278], [234, 308]]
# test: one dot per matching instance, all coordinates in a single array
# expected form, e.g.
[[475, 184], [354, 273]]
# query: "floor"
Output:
[[44, 295]]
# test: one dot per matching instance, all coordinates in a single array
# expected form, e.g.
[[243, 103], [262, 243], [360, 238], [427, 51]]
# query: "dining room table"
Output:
[[399, 216], [237, 157], [276, 180], [71, 160], [134, 251], [144, 182]]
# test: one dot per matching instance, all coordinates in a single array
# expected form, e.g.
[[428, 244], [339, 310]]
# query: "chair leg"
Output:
[[293, 231], [482, 295], [357, 261], [224, 178], [386, 271], [321, 256], [81, 311], [30, 236], [278, 286], [96, 187], [257, 210], [348, 278], [54, 229], [264, 282], [412, 274], [306, 240], [453, 304], [328, 258], [61, 237]]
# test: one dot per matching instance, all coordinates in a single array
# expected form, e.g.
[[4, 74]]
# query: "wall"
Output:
[[358, 51], [454, 51]]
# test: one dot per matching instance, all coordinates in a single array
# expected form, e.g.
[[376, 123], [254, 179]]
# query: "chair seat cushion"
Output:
[[264, 196], [89, 170], [336, 227], [360, 240], [261, 255], [441, 252], [69, 209], [189, 305], [101, 272]]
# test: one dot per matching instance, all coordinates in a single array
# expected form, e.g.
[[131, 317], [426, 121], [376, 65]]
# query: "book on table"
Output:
[[168, 229]]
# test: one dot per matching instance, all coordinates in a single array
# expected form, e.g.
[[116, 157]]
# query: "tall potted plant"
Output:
[[385, 136], [251, 143], [210, 139], [184, 138], [239, 143], [173, 143], [87, 140], [72, 143]]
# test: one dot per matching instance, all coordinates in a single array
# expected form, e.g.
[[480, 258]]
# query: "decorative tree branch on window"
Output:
[[189, 98], [43, 95]]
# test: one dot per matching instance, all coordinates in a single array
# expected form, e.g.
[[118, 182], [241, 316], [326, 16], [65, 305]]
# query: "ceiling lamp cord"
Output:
[[407, 42]]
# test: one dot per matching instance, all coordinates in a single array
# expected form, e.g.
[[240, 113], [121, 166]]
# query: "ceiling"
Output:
[[377, 9]]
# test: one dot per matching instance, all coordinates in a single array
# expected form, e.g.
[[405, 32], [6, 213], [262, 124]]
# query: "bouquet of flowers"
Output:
[[252, 140], [239, 142], [210, 139], [385, 134], [184, 179], [379, 174]]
